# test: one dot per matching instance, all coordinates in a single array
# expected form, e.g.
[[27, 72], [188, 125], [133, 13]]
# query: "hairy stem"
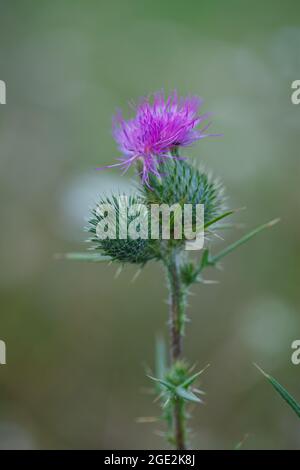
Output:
[[177, 319]]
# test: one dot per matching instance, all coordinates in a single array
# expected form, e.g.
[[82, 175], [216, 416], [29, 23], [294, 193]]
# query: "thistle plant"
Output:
[[154, 142]]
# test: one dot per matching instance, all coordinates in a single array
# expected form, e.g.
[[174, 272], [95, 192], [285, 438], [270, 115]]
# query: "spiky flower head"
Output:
[[184, 183], [124, 250], [160, 125]]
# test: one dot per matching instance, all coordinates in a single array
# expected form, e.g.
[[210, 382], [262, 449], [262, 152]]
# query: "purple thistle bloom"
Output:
[[159, 126]]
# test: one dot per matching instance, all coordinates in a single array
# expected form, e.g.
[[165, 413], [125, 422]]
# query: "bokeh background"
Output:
[[78, 340]]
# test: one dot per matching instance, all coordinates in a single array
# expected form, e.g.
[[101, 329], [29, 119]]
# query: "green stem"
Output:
[[177, 319]]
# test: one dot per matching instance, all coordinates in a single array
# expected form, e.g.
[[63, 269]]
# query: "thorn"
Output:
[[239, 209], [205, 368], [261, 370], [118, 272], [147, 391], [149, 419], [217, 235], [136, 275], [193, 367], [273, 222], [166, 403], [156, 399], [242, 442], [207, 281]]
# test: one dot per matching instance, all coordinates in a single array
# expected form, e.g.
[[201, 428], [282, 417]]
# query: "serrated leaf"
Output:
[[282, 391]]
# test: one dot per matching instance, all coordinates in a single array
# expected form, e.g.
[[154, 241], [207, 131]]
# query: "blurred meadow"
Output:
[[78, 339]]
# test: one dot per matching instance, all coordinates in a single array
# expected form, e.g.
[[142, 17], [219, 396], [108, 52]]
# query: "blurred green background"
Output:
[[78, 340]]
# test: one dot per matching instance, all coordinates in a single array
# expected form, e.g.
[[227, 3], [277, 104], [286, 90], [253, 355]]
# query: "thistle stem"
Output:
[[176, 309], [177, 319]]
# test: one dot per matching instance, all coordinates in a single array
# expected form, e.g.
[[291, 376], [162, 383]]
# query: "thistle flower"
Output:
[[160, 126]]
